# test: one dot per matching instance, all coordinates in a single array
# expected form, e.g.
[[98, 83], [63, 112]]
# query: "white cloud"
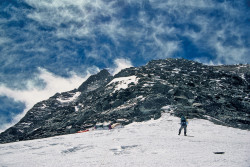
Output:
[[81, 20], [53, 84], [120, 64], [177, 4], [167, 48], [4, 40], [86, 25], [228, 45], [5, 124], [81, 13], [231, 55], [155, 33], [206, 61], [34, 93], [213, 31]]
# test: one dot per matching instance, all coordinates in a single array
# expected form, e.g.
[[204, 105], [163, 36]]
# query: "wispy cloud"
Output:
[[35, 93], [209, 25], [147, 29], [52, 84], [120, 64], [229, 45], [89, 20], [4, 40], [5, 123]]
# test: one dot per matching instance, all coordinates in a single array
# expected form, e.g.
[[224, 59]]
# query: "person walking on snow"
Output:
[[183, 125]]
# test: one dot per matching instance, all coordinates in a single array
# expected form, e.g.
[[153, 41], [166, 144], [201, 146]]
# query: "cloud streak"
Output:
[[120, 64], [96, 32], [51, 84], [35, 93]]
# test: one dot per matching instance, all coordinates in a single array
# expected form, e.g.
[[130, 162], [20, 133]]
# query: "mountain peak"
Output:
[[216, 93], [95, 81]]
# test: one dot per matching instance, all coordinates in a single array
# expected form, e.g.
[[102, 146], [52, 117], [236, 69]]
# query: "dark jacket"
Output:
[[183, 121]]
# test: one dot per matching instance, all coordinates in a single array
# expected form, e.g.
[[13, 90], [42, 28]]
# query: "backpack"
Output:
[[183, 121]]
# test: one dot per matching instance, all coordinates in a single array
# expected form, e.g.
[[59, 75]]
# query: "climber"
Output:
[[184, 123]]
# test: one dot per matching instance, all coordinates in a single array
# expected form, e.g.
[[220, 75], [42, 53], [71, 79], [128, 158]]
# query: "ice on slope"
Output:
[[152, 143], [123, 82]]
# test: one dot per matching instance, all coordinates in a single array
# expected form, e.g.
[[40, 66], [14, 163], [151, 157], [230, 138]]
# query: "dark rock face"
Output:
[[96, 81], [216, 93]]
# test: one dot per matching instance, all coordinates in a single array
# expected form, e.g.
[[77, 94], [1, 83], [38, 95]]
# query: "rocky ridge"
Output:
[[217, 93]]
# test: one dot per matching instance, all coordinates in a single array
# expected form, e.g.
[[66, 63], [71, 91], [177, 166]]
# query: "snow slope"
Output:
[[152, 143]]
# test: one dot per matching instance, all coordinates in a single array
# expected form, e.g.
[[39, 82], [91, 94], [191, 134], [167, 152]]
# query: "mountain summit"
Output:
[[216, 93]]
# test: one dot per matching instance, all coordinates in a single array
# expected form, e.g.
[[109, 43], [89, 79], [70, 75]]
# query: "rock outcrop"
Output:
[[217, 93]]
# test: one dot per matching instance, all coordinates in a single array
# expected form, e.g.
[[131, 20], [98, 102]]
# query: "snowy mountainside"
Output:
[[151, 143], [216, 93]]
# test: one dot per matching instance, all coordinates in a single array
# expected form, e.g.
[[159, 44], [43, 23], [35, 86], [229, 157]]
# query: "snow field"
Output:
[[147, 144]]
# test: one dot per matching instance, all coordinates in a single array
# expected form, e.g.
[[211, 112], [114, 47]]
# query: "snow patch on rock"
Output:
[[123, 82], [70, 99]]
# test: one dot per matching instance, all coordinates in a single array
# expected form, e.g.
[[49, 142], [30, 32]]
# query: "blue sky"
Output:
[[50, 46]]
